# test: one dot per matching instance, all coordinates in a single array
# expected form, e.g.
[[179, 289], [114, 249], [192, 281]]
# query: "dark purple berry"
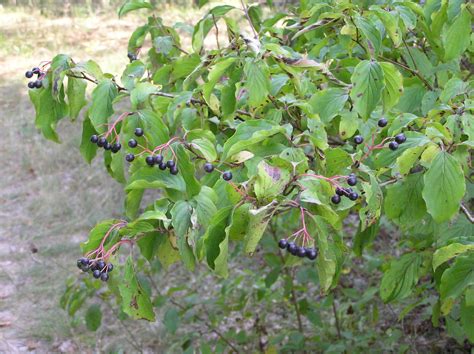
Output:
[[311, 253], [301, 252], [150, 160], [96, 273], [291, 247], [116, 147], [400, 138], [138, 131], [132, 143], [101, 142], [130, 157], [227, 176], [174, 170], [393, 145], [38, 84], [170, 164], [352, 180], [110, 267], [339, 191], [94, 139], [104, 277], [107, 146], [79, 264], [84, 261], [282, 243], [382, 122], [162, 166], [100, 265], [336, 199], [29, 74], [31, 85], [208, 167], [358, 139], [353, 196], [35, 70], [158, 159]]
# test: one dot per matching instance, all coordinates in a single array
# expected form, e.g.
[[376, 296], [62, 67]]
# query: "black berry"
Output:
[[174, 170], [311, 254], [94, 139], [382, 122], [227, 176], [101, 142], [291, 247], [110, 267], [31, 85], [116, 147], [353, 195], [132, 143], [393, 145], [36, 70], [158, 159], [96, 274], [301, 252], [336, 199], [100, 265], [400, 138], [150, 160], [282, 243], [130, 157], [339, 191], [208, 167], [84, 261], [352, 180], [162, 166], [29, 74], [38, 84], [138, 131], [358, 139], [107, 146], [104, 277], [170, 164]]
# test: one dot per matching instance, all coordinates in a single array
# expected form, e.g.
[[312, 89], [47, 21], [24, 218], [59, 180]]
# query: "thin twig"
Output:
[[468, 214], [414, 72], [217, 31], [244, 8]]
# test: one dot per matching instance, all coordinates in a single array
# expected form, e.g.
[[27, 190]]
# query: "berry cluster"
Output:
[[399, 139], [298, 251], [99, 269], [35, 83], [102, 142], [347, 192], [209, 167]]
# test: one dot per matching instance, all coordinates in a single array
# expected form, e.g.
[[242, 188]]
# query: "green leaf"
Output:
[[216, 242], [132, 5], [258, 221], [59, 65], [270, 181], [452, 88], [76, 96], [370, 32], [368, 83], [257, 82], [163, 44], [206, 148], [444, 187], [141, 93], [206, 205], [348, 124], [237, 228], [96, 235], [181, 219], [188, 172], [132, 73], [390, 22], [203, 27], [404, 203], [88, 149], [393, 85], [458, 36], [326, 262], [248, 134], [337, 161], [448, 252], [398, 281], [93, 317], [48, 111], [101, 108], [467, 314], [215, 75], [147, 177], [456, 279], [135, 301], [328, 103]]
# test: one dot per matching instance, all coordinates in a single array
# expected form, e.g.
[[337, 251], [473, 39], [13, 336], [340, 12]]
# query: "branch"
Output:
[[468, 214], [414, 72], [244, 8]]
